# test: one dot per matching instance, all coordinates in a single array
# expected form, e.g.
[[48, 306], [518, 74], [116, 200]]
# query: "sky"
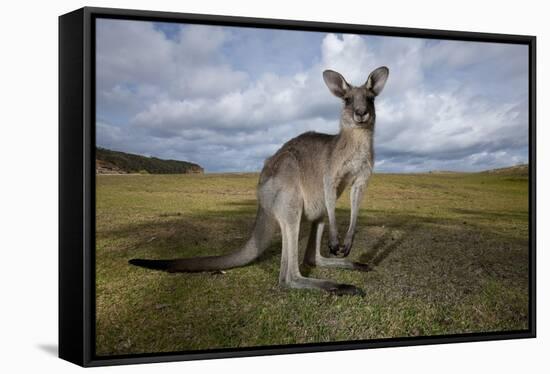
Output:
[[228, 97]]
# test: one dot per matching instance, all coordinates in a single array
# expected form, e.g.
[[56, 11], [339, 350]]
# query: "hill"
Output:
[[522, 169], [114, 162]]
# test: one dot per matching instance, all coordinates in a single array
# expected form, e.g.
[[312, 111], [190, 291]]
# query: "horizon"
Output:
[[205, 171], [227, 98]]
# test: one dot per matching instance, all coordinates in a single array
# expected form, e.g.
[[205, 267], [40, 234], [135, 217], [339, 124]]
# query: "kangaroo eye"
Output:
[[348, 100]]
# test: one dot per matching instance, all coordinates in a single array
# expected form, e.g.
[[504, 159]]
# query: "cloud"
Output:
[[227, 98], [270, 101], [137, 65]]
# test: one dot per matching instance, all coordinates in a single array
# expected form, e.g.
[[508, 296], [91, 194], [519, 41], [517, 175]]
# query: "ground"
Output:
[[449, 253]]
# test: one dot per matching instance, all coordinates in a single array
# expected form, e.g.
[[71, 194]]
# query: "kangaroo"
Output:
[[304, 178]]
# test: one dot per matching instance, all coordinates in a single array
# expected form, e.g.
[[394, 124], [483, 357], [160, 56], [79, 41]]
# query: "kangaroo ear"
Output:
[[335, 83], [377, 80]]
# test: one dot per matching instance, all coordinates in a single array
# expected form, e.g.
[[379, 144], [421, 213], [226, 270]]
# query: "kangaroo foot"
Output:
[[346, 289]]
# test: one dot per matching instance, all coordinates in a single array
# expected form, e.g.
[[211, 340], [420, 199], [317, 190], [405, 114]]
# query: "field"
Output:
[[449, 253]]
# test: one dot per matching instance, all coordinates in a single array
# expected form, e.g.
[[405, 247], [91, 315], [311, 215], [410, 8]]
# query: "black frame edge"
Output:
[[533, 185], [225, 20], [77, 206], [88, 166], [72, 337], [308, 348]]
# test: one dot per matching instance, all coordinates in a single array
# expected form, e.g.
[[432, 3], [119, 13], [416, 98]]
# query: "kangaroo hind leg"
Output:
[[290, 275]]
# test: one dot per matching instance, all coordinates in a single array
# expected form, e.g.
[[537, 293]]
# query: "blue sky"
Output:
[[227, 98]]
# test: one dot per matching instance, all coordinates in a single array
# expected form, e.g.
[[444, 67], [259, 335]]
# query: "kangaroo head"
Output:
[[358, 108]]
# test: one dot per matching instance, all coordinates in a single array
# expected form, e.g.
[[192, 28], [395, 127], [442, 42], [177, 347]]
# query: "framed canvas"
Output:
[[236, 186]]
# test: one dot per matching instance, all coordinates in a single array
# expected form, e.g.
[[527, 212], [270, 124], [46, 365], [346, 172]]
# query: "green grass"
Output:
[[449, 255]]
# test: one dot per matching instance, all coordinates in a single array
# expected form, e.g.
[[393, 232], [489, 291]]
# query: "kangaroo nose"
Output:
[[360, 112]]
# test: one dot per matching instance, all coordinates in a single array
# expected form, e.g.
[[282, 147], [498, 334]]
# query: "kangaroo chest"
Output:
[[355, 161], [360, 163]]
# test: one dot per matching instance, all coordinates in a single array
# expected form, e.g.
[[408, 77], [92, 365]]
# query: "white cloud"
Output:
[[135, 53], [270, 101], [349, 55]]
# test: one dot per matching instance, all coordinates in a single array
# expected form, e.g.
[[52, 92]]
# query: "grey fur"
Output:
[[303, 179]]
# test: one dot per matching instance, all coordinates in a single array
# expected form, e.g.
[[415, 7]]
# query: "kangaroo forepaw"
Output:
[[334, 248], [346, 289], [338, 250], [345, 249]]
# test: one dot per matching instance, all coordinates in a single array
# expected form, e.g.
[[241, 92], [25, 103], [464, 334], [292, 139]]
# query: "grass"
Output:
[[449, 252]]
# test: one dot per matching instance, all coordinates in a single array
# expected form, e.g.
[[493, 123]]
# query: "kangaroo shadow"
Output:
[[382, 248]]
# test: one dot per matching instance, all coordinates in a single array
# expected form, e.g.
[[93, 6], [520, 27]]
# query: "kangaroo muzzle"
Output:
[[361, 118]]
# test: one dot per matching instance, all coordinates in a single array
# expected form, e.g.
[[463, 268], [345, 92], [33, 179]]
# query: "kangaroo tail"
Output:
[[264, 228]]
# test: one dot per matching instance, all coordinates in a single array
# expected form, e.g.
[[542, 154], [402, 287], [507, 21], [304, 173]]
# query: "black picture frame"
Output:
[[77, 184]]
